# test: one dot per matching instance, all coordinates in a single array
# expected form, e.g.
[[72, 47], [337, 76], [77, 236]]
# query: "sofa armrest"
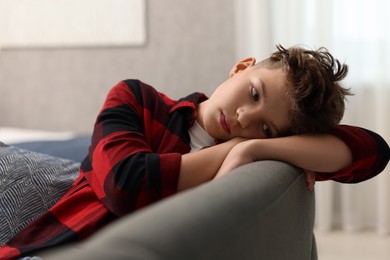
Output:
[[259, 211]]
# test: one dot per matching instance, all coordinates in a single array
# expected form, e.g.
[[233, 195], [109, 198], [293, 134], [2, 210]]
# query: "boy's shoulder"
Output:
[[134, 91]]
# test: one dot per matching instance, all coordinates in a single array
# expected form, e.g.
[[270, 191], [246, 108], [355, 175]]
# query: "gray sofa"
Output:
[[259, 211]]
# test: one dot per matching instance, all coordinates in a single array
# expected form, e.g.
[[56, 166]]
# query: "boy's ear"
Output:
[[242, 65]]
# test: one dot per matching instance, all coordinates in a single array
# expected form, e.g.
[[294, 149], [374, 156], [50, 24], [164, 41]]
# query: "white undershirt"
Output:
[[199, 138]]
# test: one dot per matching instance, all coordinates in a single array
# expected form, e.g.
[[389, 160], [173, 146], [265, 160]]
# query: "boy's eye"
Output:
[[255, 94], [267, 131]]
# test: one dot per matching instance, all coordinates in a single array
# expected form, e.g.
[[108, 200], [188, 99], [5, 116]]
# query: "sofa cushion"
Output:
[[30, 184]]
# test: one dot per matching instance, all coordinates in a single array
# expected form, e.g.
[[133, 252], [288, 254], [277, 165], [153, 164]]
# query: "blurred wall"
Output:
[[190, 47]]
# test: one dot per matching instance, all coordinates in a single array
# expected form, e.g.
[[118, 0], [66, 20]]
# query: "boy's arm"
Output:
[[370, 154], [202, 166], [349, 154], [126, 167], [325, 153]]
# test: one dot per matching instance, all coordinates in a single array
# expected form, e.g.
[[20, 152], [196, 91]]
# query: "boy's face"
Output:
[[252, 103]]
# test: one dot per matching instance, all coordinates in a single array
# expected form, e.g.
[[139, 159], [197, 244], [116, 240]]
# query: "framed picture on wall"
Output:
[[72, 23]]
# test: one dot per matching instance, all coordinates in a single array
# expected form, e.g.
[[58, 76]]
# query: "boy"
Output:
[[146, 146]]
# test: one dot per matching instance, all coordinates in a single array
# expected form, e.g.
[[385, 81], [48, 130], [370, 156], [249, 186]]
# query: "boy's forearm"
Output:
[[201, 166], [320, 153]]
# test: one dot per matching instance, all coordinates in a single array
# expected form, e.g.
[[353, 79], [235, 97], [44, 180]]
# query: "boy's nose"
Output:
[[246, 116]]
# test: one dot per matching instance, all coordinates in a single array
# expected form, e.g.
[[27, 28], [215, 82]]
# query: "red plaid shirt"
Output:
[[134, 160]]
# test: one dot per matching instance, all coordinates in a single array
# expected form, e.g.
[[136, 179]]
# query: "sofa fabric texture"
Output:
[[259, 211]]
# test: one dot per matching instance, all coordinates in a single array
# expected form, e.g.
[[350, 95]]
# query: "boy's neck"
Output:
[[199, 113]]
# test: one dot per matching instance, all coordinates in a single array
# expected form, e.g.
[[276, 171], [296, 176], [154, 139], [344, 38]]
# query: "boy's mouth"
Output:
[[224, 123]]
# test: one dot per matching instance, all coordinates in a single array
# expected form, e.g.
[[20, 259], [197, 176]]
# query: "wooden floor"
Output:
[[352, 246]]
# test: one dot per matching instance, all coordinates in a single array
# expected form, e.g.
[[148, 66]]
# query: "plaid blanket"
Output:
[[30, 184]]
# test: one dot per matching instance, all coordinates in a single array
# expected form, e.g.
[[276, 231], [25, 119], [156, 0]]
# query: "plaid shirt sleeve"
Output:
[[370, 154], [135, 155]]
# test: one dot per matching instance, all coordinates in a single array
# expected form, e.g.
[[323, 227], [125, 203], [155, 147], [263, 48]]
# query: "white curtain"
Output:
[[357, 33]]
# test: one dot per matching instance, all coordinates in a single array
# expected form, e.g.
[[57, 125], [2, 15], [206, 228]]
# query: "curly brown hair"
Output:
[[313, 76]]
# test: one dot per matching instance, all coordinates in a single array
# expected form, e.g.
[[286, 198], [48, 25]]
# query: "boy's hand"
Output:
[[239, 155], [310, 179]]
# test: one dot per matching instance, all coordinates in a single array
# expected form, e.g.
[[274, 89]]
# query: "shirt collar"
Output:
[[190, 102]]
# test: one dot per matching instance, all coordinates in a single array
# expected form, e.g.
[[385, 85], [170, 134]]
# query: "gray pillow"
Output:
[[30, 184]]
